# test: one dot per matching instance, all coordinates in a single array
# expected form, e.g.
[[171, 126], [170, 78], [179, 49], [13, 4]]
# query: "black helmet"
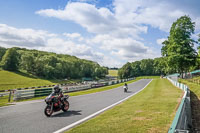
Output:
[[56, 88], [125, 84]]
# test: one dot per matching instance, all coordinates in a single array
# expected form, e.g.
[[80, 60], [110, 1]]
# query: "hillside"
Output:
[[12, 80], [49, 65]]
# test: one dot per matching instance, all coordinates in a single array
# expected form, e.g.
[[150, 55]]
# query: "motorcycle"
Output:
[[125, 88], [56, 103]]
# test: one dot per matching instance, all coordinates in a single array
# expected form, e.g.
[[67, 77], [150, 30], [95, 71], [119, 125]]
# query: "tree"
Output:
[[147, 66], [179, 47], [125, 71], [27, 62], [136, 70], [2, 52], [10, 60]]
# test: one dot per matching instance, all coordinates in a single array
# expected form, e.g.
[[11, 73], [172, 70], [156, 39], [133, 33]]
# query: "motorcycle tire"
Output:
[[65, 106], [47, 111]]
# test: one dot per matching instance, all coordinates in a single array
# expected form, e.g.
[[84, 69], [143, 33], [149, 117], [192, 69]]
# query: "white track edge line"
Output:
[[98, 112]]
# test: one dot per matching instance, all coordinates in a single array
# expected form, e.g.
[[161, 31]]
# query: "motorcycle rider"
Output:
[[125, 87], [58, 92]]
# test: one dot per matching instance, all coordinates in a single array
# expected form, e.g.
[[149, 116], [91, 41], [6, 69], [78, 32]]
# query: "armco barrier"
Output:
[[76, 88], [182, 122], [22, 94], [43, 92], [30, 93]]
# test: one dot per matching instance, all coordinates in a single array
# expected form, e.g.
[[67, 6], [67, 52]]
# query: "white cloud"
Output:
[[95, 20], [160, 41], [23, 37], [74, 36]]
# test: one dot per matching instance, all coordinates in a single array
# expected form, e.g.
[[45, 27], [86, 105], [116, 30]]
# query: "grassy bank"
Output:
[[13, 80], [151, 110], [195, 102]]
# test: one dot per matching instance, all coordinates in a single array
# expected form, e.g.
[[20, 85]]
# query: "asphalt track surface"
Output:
[[28, 117]]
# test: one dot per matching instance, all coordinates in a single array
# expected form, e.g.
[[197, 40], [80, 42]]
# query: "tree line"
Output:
[[179, 54], [49, 65]]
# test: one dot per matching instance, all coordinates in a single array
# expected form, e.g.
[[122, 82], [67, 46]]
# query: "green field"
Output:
[[151, 110], [11, 80], [113, 73]]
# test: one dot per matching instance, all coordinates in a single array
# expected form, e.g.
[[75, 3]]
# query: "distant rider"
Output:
[[125, 87]]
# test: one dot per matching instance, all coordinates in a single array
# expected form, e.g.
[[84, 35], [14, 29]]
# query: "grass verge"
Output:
[[151, 110], [195, 102]]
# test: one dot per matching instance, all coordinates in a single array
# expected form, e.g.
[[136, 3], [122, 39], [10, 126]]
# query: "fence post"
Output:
[[9, 96]]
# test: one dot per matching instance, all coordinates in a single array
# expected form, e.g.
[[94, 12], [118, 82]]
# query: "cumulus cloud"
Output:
[[95, 20], [74, 36], [156, 13], [23, 37], [160, 41]]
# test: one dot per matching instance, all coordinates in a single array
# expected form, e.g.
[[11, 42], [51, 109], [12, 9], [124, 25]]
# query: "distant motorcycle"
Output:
[[56, 103], [125, 88]]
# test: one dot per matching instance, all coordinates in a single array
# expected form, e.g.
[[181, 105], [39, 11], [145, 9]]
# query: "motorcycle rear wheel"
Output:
[[65, 106], [47, 111]]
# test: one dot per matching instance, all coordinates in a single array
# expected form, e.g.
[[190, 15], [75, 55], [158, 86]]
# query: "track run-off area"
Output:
[[29, 116]]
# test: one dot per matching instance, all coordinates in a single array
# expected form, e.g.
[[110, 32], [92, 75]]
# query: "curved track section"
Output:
[[29, 116]]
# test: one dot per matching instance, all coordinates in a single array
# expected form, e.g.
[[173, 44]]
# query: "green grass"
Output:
[[11, 80], [113, 73], [195, 88], [151, 110]]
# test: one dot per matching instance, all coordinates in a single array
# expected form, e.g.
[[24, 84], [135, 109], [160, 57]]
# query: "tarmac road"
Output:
[[28, 117]]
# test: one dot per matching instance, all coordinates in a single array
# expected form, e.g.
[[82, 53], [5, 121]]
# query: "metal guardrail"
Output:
[[30, 93], [182, 122], [4, 94]]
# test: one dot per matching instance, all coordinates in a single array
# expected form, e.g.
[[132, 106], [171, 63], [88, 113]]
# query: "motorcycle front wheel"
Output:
[[47, 111], [65, 106]]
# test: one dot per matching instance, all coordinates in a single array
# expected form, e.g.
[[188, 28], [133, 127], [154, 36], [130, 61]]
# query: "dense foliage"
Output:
[[51, 65], [144, 67], [10, 60], [178, 54]]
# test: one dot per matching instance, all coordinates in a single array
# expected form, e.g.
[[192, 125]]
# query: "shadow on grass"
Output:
[[26, 75], [68, 113], [195, 106]]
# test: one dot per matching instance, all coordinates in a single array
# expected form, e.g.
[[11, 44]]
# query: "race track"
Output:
[[28, 117]]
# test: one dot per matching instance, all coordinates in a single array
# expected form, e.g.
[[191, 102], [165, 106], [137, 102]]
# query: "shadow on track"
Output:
[[68, 113], [128, 92]]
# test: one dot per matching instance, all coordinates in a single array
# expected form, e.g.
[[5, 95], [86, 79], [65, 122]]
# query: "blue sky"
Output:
[[110, 32]]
